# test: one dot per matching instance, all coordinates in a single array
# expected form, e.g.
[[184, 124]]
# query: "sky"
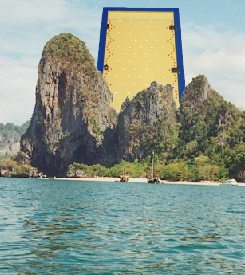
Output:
[[213, 37]]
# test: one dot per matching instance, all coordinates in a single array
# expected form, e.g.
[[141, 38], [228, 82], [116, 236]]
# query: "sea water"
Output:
[[68, 227]]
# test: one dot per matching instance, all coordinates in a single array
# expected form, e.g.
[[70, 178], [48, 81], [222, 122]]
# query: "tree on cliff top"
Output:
[[68, 47]]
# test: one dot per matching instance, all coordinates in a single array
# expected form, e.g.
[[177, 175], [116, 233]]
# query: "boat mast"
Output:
[[153, 165]]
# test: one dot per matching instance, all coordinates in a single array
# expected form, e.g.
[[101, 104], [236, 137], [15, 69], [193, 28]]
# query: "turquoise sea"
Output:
[[66, 227]]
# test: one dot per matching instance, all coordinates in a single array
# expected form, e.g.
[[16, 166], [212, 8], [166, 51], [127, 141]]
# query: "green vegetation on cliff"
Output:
[[210, 126], [68, 47]]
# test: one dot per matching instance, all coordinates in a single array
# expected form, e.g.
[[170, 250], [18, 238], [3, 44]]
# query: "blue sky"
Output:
[[213, 35]]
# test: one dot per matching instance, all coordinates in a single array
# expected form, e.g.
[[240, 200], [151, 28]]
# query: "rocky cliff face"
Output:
[[72, 115], [238, 167], [240, 174], [146, 123], [10, 136], [210, 126], [8, 148], [205, 113]]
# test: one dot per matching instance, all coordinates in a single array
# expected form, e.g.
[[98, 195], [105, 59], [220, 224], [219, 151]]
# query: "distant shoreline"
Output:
[[144, 180]]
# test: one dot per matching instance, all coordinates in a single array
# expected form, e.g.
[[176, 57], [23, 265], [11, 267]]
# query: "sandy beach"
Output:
[[104, 179], [144, 180]]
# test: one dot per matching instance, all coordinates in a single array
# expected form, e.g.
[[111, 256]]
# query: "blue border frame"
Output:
[[179, 51]]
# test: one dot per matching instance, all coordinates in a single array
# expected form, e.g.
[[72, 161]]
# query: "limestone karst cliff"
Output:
[[73, 121], [72, 113], [147, 123], [204, 114], [211, 127]]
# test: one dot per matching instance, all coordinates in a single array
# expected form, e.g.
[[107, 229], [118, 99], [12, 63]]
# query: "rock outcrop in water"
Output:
[[72, 115], [147, 122]]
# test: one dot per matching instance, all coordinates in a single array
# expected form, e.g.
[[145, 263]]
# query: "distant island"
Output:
[[74, 131]]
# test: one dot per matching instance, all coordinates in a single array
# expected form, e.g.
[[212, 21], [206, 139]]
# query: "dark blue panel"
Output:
[[179, 54], [102, 45]]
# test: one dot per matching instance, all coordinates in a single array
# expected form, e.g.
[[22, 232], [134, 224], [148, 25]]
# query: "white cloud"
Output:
[[27, 12], [25, 28], [18, 81], [220, 55]]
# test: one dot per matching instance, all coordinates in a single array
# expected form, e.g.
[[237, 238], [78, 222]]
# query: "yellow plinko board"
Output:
[[140, 47]]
